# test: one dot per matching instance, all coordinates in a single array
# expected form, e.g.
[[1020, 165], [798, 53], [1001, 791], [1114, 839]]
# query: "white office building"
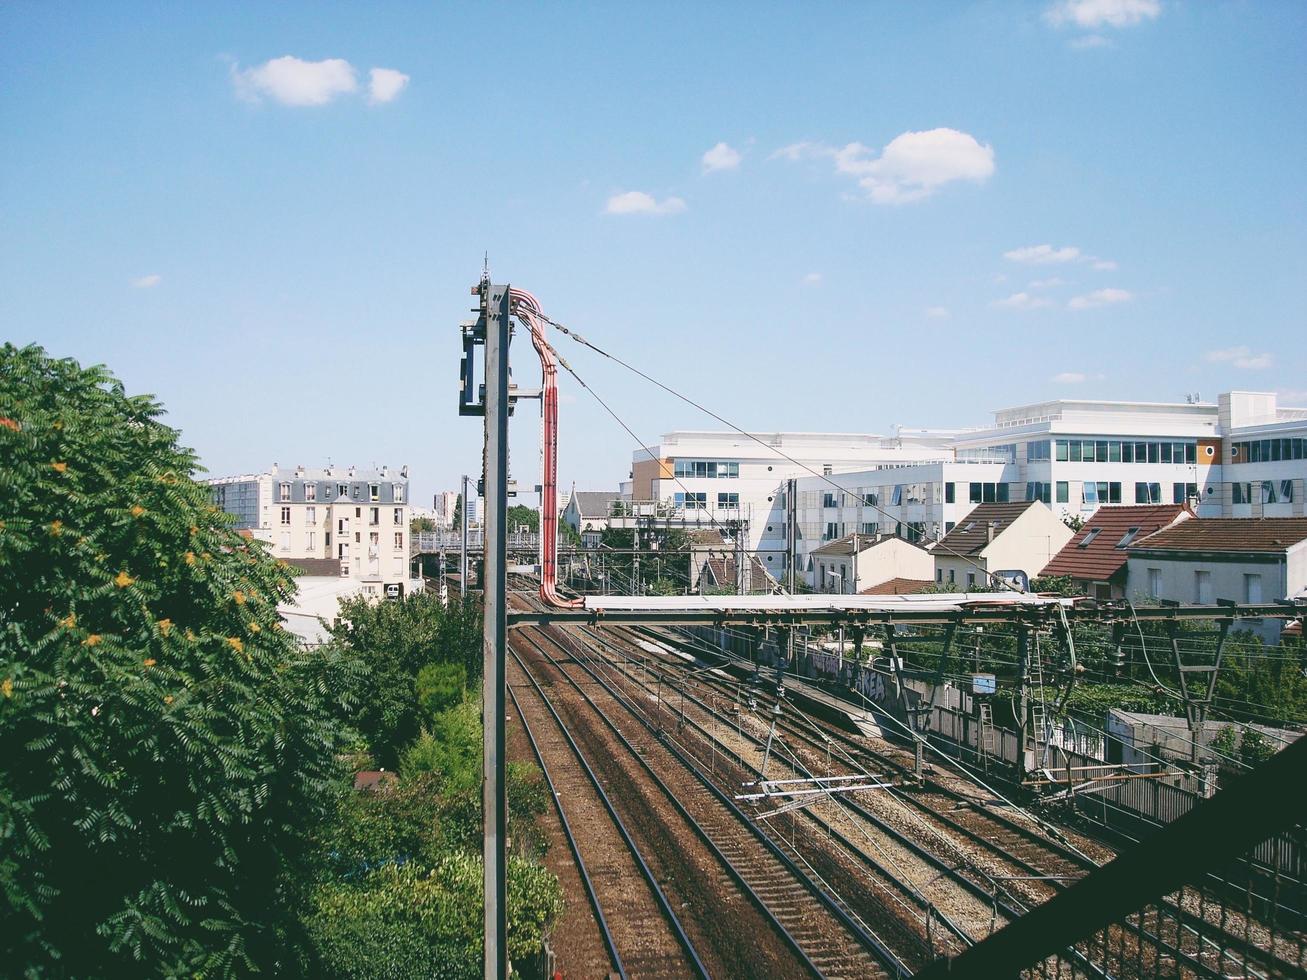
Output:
[[727, 478], [1241, 456]]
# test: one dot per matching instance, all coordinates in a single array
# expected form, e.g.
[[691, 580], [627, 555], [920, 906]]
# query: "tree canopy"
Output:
[[166, 745]]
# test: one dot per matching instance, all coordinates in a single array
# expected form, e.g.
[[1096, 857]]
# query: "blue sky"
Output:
[[921, 212]]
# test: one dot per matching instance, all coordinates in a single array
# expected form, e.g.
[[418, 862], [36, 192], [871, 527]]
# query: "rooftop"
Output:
[[844, 546], [899, 586], [1269, 535], [971, 535], [1097, 552]]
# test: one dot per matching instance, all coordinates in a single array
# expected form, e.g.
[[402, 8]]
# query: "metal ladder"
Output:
[[988, 740], [1038, 719]]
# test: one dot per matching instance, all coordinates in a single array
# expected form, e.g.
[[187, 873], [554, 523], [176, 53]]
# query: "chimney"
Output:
[[989, 532], [403, 471]]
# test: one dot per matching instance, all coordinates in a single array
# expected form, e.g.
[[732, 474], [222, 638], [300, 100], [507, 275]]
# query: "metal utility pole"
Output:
[[494, 799], [1023, 700], [791, 533], [462, 564]]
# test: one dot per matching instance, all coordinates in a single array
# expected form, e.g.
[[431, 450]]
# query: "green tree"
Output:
[[520, 515], [458, 513], [166, 744], [396, 640], [419, 524], [440, 686]]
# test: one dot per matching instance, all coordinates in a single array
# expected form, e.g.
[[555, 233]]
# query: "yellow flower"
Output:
[[190, 635], [56, 528], [59, 467], [7, 687], [190, 558], [194, 529], [255, 628], [167, 699], [164, 626], [70, 620], [150, 661], [235, 643], [239, 596], [122, 580], [57, 424], [92, 640], [137, 510]]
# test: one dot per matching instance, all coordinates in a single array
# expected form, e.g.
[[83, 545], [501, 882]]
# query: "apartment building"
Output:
[[356, 519]]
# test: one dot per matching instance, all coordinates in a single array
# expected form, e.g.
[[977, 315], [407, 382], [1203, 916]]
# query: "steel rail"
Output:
[[1189, 918], [664, 904], [753, 897], [866, 939], [572, 845]]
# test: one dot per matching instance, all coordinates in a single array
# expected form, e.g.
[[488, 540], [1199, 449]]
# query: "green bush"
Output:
[[440, 686], [166, 745]]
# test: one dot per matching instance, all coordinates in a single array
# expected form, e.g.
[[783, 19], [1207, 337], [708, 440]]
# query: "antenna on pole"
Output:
[[485, 267]]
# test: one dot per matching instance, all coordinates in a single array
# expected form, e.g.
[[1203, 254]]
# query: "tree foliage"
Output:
[[166, 744], [396, 640]]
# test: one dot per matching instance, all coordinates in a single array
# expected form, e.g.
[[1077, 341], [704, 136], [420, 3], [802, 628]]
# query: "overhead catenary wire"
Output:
[[578, 338]]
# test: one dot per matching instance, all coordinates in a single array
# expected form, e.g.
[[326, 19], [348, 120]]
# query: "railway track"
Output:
[[1024, 865], [751, 912]]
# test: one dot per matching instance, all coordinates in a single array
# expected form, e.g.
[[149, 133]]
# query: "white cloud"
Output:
[[1100, 297], [721, 157], [812, 279], [384, 84], [1093, 14], [911, 167], [1070, 378], [294, 82], [1103, 265], [1021, 301], [638, 202], [147, 282], [1241, 357], [1043, 254], [937, 312], [1052, 283]]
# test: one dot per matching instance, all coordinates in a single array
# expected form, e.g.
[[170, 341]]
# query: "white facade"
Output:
[[919, 501], [1240, 457], [879, 559], [729, 477], [358, 519]]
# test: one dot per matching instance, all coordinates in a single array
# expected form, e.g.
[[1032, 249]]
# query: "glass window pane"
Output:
[[1062, 491], [1063, 451]]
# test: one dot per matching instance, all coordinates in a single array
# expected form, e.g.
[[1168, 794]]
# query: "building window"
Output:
[[1155, 583], [342, 490], [870, 499], [374, 516], [1063, 491], [310, 491], [1181, 492], [310, 515], [975, 494], [706, 469], [869, 527], [939, 576], [1203, 587], [399, 540], [950, 493], [1037, 451], [971, 580], [284, 492], [691, 501], [1242, 493], [1286, 491], [285, 541], [1269, 494], [952, 576], [398, 491], [340, 525], [342, 550], [728, 501], [832, 531], [1148, 493], [327, 540], [374, 491], [1252, 588], [828, 500], [1130, 534], [1088, 539], [1039, 490], [285, 515], [312, 540], [399, 515]]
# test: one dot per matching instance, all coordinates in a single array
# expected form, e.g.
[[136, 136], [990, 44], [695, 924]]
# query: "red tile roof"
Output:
[[970, 536], [899, 586], [1273, 535], [1095, 553]]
